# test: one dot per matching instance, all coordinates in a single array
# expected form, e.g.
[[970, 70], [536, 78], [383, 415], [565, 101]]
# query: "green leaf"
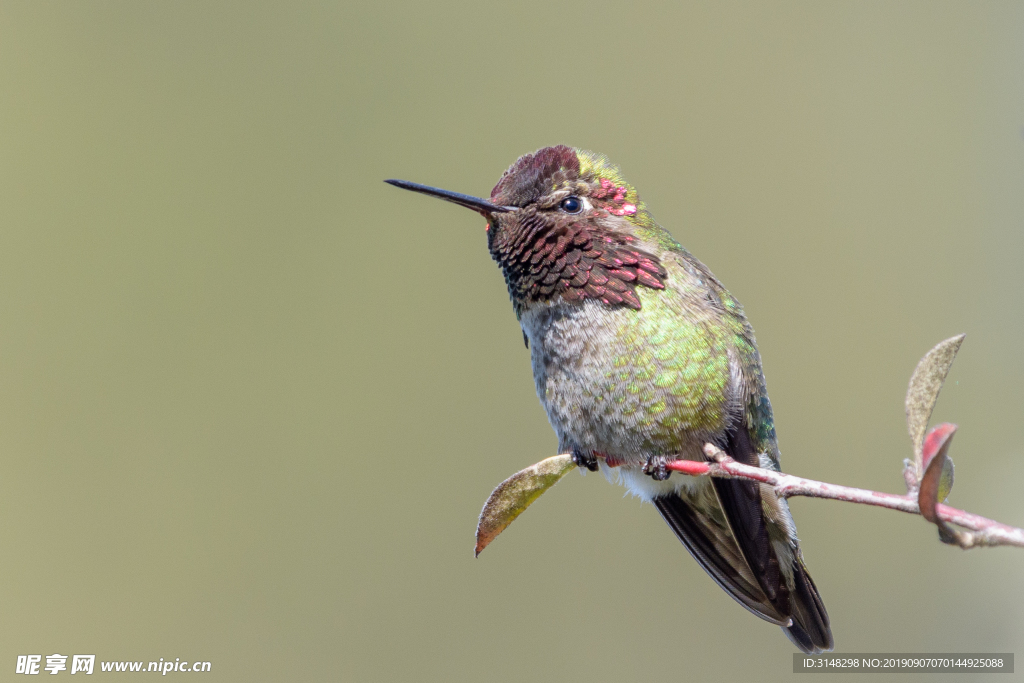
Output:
[[517, 493], [946, 480], [925, 384]]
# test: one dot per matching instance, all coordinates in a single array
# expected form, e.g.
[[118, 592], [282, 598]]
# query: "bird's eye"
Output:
[[571, 205]]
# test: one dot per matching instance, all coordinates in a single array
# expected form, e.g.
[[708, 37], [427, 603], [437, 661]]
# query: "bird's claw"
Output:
[[656, 467], [581, 459]]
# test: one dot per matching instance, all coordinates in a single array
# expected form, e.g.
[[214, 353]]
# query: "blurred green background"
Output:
[[252, 398]]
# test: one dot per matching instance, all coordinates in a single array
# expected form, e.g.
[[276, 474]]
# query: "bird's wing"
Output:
[[742, 506], [755, 515]]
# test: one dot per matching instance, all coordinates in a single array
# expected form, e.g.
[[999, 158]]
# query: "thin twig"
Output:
[[983, 531]]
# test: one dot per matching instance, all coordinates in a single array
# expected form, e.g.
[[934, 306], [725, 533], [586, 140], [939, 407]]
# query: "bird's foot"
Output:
[[656, 467], [581, 459]]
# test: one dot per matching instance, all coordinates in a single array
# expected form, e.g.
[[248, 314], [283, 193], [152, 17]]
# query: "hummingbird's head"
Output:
[[563, 222]]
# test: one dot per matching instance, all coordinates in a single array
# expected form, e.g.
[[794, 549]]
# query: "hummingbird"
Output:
[[640, 357]]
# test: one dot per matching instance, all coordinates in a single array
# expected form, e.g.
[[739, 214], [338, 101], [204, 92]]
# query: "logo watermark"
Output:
[[32, 665]]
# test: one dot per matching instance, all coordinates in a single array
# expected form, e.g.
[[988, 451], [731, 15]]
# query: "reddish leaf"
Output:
[[934, 456], [938, 440]]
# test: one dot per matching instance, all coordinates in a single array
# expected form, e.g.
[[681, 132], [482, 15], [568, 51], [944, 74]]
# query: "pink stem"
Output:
[[986, 531]]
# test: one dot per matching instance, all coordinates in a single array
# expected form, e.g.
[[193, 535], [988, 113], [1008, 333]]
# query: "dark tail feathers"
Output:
[[810, 629]]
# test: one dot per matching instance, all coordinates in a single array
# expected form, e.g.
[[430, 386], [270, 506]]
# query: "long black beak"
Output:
[[481, 205]]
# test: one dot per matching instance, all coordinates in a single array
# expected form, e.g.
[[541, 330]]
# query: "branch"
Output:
[[929, 476], [982, 531]]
